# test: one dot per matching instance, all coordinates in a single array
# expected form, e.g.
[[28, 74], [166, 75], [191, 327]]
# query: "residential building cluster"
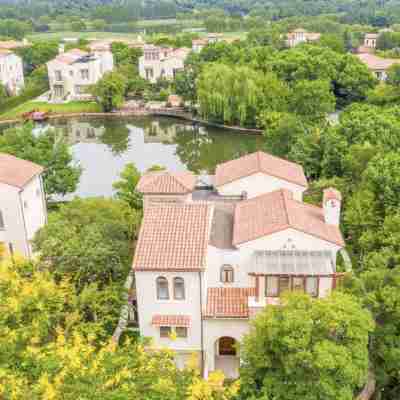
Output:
[[211, 256]]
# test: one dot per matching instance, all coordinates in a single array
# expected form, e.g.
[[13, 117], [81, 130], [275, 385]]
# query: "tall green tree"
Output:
[[304, 341], [49, 149], [110, 90]]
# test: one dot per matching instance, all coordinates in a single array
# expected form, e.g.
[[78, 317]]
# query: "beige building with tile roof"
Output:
[[71, 73], [205, 266], [377, 65], [300, 35], [22, 204], [11, 72]]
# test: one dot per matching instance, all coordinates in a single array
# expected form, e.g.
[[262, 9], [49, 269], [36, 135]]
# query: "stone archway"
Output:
[[227, 356]]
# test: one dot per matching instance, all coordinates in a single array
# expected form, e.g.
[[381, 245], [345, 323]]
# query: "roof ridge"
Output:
[[178, 179], [285, 205]]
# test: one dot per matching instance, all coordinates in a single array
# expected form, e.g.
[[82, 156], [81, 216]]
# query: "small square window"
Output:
[[165, 331], [25, 204], [181, 332]]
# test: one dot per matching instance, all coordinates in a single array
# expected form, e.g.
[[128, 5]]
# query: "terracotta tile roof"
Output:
[[259, 162], [331, 193], [11, 44], [228, 302], [277, 211], [171, 320], [71, 56], [4, 52], [173, 236], [376, 63], [17, 172], [163, 182]]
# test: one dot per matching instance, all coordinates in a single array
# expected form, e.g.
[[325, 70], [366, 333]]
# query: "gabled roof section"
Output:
[[276, 211], [17, 172], [173, 237], [163, 182], [259, 162]]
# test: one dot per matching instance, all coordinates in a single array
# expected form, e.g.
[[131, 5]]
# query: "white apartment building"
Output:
[[11, 72], [71, 73], [159, 62], [209, 259], [301, 36], [22, 204]]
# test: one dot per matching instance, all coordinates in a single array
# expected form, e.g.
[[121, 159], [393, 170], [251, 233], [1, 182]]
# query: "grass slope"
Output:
[[66, 108]]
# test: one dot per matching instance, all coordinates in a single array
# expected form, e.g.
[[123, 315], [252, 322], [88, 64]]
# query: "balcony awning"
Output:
[[282, 262], [171, 320]]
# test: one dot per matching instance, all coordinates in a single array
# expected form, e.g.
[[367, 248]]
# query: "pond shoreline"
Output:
[[144, 112]]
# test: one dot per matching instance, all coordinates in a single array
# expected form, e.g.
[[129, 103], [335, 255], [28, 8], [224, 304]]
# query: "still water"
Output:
[[103, 146]]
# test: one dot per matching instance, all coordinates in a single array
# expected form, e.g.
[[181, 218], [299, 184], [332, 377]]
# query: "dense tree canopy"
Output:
[[296, 351], [48, 149]]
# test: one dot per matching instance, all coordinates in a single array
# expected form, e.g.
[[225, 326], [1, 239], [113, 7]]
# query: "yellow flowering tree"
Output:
[[47, 351]]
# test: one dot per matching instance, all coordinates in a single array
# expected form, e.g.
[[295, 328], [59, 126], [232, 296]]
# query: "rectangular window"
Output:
[[271, 287], [181, 332], [2, 227], [165, 331], [298, 283], [284, 284], [84, 73], [149, 73], [58, 75], [312, 286]]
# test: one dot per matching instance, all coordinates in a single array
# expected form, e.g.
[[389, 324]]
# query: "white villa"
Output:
[[159, 62], [22, 204], [210, 256], [301, 36], [72, 72], [11, 72]]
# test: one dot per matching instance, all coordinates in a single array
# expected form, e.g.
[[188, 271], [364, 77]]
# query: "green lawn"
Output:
[[71, 107], [81, 35]]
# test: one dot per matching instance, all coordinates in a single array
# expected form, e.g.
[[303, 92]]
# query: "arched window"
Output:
[[179, 289], [162, 288], [227, 274], [227, 346]]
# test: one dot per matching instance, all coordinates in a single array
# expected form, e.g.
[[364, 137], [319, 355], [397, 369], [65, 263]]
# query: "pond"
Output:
[[103, 146]]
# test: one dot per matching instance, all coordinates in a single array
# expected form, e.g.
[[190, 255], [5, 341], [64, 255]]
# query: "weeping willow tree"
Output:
[[236, 95]]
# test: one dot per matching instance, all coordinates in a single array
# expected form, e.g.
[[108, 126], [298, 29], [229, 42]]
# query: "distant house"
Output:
[[11, 72], [199, 44], [13, 44], [377, 65], [71, 73], [208, 260], [301, 36], [22, 204], [160, 62]]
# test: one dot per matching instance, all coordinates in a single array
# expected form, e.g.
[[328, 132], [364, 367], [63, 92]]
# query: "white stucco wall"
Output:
[[12, 73], [260, 183], [148, 306], [217, 328], [24, 213], [34, 206], [162, 67]]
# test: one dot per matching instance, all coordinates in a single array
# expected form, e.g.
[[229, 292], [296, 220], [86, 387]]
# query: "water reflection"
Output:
[[104, 146]]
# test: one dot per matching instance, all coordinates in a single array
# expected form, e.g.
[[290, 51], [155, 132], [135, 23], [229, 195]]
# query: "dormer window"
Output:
[[227, 275], [162, 288]]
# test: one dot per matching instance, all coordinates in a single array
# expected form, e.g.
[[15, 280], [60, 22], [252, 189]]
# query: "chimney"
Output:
[[332, 200], [61, 48]]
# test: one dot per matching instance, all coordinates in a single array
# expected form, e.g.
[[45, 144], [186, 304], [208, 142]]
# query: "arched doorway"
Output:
[[227, 356]]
